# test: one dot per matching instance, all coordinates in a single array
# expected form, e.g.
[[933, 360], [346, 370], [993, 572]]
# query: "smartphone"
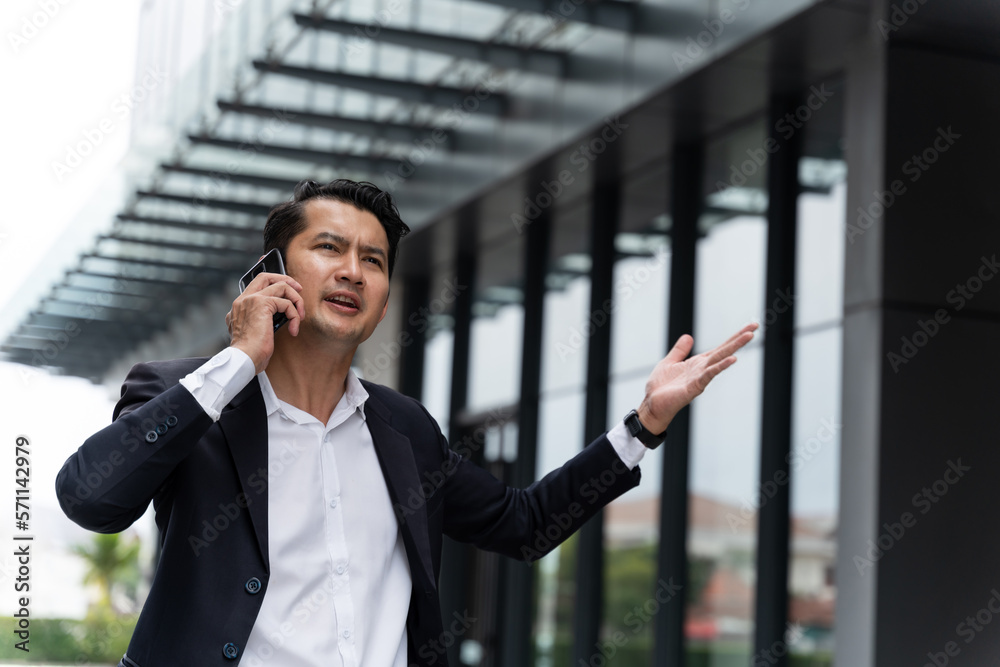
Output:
[[269, 263]]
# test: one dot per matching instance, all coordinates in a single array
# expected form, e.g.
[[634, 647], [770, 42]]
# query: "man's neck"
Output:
[[310, 377]]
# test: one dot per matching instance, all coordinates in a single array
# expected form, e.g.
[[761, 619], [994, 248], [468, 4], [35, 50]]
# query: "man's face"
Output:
[[341, 261]]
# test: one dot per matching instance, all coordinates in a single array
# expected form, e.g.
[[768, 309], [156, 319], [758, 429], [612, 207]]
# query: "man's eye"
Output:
[[374, 260]]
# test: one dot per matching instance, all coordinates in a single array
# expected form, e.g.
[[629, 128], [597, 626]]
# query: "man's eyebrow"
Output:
[[337, 238]]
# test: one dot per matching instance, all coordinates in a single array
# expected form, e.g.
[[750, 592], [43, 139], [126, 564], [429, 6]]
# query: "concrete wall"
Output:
[[919, 552]]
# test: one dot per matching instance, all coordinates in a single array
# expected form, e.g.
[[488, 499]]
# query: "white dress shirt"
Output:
[[339, 588]]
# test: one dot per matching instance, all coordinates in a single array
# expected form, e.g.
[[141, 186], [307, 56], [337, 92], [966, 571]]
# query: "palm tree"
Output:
[[110, 561]]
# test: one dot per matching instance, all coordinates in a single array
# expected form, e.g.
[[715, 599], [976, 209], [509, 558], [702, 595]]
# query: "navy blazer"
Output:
[[208, 484]]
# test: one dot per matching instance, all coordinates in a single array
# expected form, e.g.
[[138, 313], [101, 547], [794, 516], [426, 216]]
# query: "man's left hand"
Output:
[[676, 380]]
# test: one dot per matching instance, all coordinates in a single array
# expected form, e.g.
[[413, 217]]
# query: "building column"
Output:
[[916, 568], [685, 185]]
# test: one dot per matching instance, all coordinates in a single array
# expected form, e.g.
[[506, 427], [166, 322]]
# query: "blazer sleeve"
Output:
[[111, 479], [528, 523]]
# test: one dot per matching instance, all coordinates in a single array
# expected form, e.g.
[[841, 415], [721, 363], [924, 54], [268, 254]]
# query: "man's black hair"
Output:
[[287, 219]]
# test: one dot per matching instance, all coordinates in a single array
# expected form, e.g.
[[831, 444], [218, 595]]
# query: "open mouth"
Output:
[[343, 302]]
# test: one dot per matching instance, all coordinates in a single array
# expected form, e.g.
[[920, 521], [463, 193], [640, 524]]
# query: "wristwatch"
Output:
[[637, 430]]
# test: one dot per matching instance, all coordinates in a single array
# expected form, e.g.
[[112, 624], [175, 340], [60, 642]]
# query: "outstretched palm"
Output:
[[676, 380]]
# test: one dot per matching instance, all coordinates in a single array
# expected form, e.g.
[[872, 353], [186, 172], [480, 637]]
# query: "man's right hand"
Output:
[[251, 320]]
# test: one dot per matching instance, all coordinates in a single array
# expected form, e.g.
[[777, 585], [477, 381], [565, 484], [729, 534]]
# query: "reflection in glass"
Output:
[[496, 332], [436, 391], [560, 432], [725, 420], [814, 462], [631, 545], [560, 421], [632, 522], [495, 358], [814, 467]]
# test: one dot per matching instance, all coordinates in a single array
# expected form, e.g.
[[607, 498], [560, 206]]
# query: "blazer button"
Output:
[[171, 421], [161, 429], [230, 651], [253, 585], [151, 437]]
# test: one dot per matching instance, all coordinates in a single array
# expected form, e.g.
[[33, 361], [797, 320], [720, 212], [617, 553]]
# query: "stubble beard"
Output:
[[347, 335]]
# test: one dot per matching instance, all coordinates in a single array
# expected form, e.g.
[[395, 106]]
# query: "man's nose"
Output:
[[350, 268]]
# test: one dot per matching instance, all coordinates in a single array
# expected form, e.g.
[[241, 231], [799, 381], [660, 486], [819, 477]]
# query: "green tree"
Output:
[[111, 562]]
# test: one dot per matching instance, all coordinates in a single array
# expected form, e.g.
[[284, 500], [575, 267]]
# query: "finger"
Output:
[[264, 280], [300, 303], [291, 303], [282, 289], [730, 346], [298, 308], [709, 374], [749, 328], [290, 293], [681, 349], [288, 308], [281, 297]]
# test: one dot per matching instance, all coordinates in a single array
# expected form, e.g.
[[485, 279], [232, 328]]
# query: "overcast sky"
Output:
[[61, 71]]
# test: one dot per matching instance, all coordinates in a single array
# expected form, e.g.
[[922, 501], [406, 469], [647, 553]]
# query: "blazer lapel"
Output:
[[395, 456], [244, 425]]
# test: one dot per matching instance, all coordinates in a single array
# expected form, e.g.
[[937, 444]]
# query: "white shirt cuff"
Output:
[[218, 380], [629, 449]]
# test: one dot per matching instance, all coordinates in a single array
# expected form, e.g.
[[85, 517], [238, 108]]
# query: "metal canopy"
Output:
[[306, 110], [409, 91], [196, 223], [403, 133], [542, 61], [224, 204], [228, 230], [262, 180], [614, 14], [351, 161]]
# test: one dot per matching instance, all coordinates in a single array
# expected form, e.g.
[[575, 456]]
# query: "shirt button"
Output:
[[347, 634], [333, 503], [341, 568]]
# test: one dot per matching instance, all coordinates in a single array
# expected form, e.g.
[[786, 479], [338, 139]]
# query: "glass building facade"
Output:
[[554, 354]]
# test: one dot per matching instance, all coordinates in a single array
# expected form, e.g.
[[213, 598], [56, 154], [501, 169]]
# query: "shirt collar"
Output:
[[354, 396]]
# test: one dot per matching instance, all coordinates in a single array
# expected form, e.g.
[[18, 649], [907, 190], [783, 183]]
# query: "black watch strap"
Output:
[[637, 430]]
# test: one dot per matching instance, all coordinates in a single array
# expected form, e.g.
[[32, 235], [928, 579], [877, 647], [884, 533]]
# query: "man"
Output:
[[283, 485]]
